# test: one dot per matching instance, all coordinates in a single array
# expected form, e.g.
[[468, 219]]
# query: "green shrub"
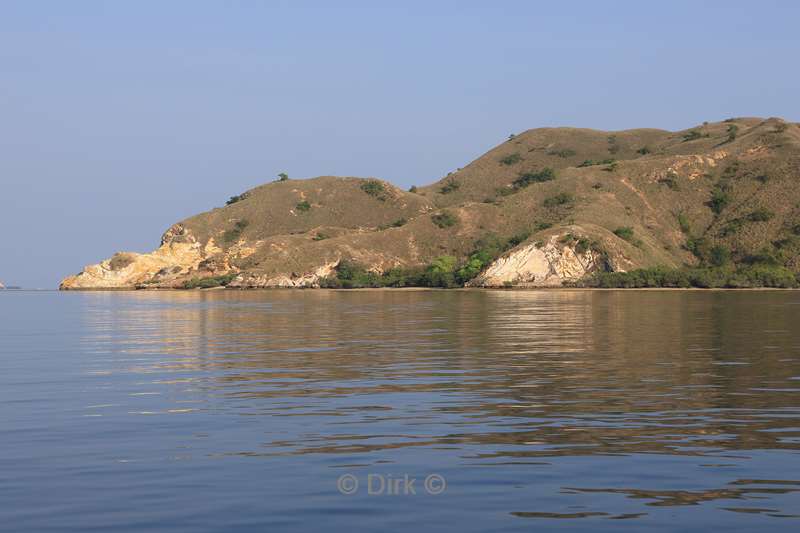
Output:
[[445, 219], [584, 245], [559, 199], [511, 159], [691, 135], [625, 233], [698, 246], [731, 170], [528, 178], [413, 189], [563, 153], [765, 256], [374, 188], [543, 226], [733, 130], [591, 163], [683, 222], [321, 236], [237, 198], [760, 215], [303, 206], [233, 234], [451, 186], [719, 255], [644, 150], [670, 182], [719, 200], [283, 176], [208, 283], [731, 228], [443, 264], [396, 224], [612, 167]]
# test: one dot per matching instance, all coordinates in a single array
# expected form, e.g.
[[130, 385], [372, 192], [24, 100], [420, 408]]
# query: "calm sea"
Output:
[[399, 411]]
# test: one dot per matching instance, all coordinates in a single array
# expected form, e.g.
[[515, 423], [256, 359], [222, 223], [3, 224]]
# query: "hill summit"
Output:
[[715, 205]]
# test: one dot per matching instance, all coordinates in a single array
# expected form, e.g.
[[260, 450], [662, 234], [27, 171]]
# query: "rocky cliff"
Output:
[[582, 201]]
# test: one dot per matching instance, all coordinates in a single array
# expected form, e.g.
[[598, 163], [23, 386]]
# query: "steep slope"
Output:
[[578, 200]]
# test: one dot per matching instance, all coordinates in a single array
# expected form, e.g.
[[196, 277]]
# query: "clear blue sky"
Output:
[[119, 118]]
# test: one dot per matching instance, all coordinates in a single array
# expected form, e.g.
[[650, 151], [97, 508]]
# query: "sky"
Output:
[[118, 119]]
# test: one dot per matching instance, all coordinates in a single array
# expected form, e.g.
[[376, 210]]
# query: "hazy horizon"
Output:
[[121, 119]]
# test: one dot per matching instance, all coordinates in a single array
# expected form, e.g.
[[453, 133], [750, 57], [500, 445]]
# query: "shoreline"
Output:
[[414, 289]]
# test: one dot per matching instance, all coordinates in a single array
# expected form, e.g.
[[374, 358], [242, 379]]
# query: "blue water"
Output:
[[540, 410]]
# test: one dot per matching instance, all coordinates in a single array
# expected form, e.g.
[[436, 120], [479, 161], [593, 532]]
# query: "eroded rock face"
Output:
[[178, 253], [548, 265]]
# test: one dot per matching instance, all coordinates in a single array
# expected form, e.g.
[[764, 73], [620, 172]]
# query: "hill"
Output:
[[719, 202]]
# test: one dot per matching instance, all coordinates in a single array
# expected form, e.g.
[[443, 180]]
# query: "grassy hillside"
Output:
[[722, 195]]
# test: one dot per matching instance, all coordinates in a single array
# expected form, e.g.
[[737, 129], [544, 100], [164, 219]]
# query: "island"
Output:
[[716, 205]]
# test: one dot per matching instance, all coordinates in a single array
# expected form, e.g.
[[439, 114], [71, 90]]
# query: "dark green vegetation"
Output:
[[450, 186], [529, 178], [671, 181], [560, 199], [624, 233], [747, 276], [234, 233], [400, 222], [591, 163], [563, 153], [444, 219], [733, 130], [374, 188], [303, 206], [236, 198], [511, 159], [443, 272]]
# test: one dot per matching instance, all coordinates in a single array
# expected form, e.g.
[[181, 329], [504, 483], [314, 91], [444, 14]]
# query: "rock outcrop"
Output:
[[178, 255], [549, 264]]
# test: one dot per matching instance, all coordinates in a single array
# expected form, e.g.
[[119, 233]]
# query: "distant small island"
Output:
[[717, 205]]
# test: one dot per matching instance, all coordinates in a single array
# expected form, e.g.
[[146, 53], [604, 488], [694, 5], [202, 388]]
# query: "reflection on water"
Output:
[[669, 409]]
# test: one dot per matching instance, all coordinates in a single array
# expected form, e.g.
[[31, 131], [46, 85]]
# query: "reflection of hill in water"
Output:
[[554, 372], [501, 379]]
